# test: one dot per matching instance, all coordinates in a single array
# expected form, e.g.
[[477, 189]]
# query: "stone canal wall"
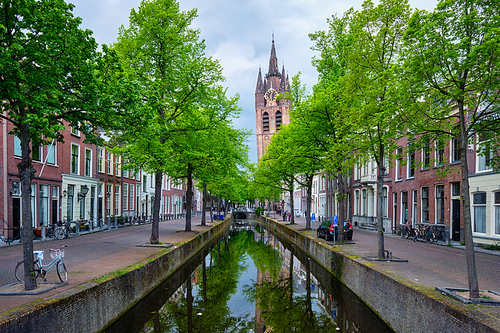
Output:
[[402, 307], [93, 306]]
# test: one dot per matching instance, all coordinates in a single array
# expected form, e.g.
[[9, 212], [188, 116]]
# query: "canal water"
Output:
[[250, 281]]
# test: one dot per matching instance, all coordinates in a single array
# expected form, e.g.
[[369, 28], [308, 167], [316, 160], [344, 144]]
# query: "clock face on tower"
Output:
[[270, 95]]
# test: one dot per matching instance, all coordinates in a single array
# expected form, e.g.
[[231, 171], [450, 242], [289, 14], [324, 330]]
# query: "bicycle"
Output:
[[407, 231], [57, 256], [62, 230]]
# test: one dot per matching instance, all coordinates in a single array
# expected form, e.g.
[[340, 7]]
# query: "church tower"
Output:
[[270, 113]]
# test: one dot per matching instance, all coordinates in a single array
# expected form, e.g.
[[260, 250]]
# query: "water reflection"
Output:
[[250, 281]]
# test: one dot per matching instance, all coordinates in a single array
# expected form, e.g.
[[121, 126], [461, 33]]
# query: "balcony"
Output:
[[368, 178]]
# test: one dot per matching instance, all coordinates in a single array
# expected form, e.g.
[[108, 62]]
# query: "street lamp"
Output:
[[83, 192]]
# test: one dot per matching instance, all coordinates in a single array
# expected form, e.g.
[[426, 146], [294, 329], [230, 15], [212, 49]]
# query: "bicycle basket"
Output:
[[56, 253], [39, 255]]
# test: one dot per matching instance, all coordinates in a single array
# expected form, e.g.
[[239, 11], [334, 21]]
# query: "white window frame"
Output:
[[89, 174], [478, 205], [77, 159]]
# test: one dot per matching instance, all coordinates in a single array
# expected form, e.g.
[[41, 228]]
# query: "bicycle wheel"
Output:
[[19, 272], [59, 233], [62, 272]]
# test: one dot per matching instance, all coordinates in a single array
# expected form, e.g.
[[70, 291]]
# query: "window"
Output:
[[480, 212], [75, 131], [125, 196], [455, 150], [399, 152], [117, 199], [439, 203], [82, 206], [439, 152], [411, 162], [108, 199], [414, 210], [356, 205], [425, 204], [117, 165], [33, 205], [484, 153], [278, 120], [497, 212], [144, 183], [426, 155], [100, 157], [265, 122], [51, 153], [109, 163], [384, 202], [17, 146], [74, 159], [44, 204], [36, 152], [88, 162], [71, 194], [455, 189], [363, 203], [132, 199]]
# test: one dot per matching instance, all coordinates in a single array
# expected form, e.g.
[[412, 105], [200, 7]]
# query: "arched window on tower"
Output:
[[278, 120], [265, 122]]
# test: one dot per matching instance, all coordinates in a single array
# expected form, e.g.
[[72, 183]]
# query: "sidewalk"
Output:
[[92, 255]]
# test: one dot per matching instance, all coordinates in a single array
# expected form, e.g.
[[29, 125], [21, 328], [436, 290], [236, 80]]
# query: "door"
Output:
[[16, 215], [54, 211], [455, 208]]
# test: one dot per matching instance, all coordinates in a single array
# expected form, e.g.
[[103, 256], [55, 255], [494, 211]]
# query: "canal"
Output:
[[250, 281]]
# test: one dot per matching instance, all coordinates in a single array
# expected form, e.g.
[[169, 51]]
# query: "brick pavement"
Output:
[[92, 255]]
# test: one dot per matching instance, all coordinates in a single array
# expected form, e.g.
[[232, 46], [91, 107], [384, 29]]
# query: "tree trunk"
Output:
[[469, 242], [155, 227], [380, 203], [204, 208], [211, 209], [308, 202], [341, 216], [26, 173], [189, 196], [292, 206]]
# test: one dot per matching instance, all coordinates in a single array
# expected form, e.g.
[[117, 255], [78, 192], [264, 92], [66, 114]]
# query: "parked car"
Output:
[[326, 230]]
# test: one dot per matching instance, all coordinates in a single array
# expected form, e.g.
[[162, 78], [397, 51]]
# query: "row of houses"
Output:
[[82, 182], [419, 187]]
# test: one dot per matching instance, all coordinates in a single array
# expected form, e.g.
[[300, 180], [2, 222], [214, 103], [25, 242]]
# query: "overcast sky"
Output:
[[239, 34]]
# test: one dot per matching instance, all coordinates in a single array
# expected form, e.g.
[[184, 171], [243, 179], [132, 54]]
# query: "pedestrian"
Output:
[[289, 216]]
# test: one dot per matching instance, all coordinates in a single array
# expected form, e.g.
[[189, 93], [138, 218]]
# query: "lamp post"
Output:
[[83, 192]]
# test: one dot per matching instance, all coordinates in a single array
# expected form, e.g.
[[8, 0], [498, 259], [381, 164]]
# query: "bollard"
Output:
[[43, 232], [77, 228], [109, 222], [116, 222]]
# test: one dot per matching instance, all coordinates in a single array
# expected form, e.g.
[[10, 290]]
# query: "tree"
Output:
[[51, 74], [277, 168], [165, 56], [377, 33], [212, 153], [329, 107], [306, 154], [452, 73]]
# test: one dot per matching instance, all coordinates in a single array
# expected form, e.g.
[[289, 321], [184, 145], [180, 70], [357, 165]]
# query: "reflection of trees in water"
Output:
[[206, 309], [273, 294]]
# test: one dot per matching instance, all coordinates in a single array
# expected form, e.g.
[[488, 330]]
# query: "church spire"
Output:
[[283, 80], [260, 86], [273, 62]]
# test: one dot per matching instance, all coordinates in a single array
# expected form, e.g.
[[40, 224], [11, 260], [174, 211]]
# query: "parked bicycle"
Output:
[[407, 231], [41, 270], [425, 232], [63, 229]]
